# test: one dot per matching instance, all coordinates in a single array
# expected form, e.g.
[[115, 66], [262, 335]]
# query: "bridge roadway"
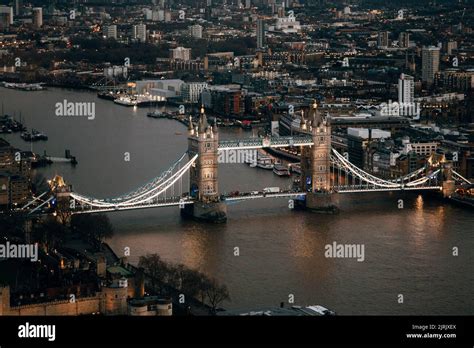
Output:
[[357, 189], [244, 196], [249, 196], [260, 143], [162, 203]]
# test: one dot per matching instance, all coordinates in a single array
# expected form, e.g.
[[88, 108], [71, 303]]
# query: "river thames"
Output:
[[407, 251]]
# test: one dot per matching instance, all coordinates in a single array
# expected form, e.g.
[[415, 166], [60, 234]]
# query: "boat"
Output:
[[33, 136], [126, 101], [137, 100], [26, 136], [38, 135], [322, 310], [24, 86], [295, 168], [157, 114], [264, 162], [107, 95], [281, 170]]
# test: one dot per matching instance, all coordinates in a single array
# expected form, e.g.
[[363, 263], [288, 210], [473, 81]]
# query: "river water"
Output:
[[407, 251]]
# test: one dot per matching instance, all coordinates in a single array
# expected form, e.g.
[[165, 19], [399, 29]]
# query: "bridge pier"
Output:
[[206, 212], [203, 139], [322, 202]]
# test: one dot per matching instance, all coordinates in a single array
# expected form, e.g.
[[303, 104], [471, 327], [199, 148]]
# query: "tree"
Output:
[[156, 269], [204, 285], [13, 226], [50, 233], [191, 282], [216, 294], [93, 227]]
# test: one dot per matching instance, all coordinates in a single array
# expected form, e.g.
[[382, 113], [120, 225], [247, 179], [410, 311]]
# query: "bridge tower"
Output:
[[448, 184], [203, 140], [62, 193], [316, 164]]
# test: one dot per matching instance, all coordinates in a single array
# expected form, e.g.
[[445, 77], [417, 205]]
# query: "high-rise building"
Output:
[[430, 63], [382, 40], [450, 46], [196, 31], [18, 7], [406, 89], [180, 53], [111, 32], [37, 17], [6, 16], [260, 33], [191, 91], [139, 32], [404, 40]]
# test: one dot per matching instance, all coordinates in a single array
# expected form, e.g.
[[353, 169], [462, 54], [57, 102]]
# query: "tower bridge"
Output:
[[191, 183]]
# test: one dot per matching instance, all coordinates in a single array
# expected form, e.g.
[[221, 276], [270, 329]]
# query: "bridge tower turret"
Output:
[[203, 140], [316, 164]]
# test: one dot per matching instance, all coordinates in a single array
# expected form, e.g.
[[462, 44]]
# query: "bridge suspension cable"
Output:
[[459, 177], [399, 184], [146, 193]]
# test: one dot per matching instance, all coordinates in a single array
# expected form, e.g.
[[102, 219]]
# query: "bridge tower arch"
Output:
[[316, 163], [203, 140]]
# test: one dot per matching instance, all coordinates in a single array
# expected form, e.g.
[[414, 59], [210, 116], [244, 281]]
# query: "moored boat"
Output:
[[281, 170]]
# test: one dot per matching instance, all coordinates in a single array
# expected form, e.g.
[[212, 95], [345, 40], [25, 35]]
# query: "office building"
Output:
[[260, 33], [196, 31], [382, 39], [139, 32], [430, 64], [37, 17], [180, 53], [111, 32], [406, 89]]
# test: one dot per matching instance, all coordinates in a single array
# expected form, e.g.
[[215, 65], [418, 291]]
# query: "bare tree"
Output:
[[156, 269], [216, 294], [93, 227]]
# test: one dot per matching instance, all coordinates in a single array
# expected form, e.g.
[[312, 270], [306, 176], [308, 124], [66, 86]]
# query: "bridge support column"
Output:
[[322, 202], [204, 141], [206, 212], [316, 165]]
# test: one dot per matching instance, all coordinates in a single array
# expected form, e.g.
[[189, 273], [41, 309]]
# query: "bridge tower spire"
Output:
[[203, 140], [316, 164]]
